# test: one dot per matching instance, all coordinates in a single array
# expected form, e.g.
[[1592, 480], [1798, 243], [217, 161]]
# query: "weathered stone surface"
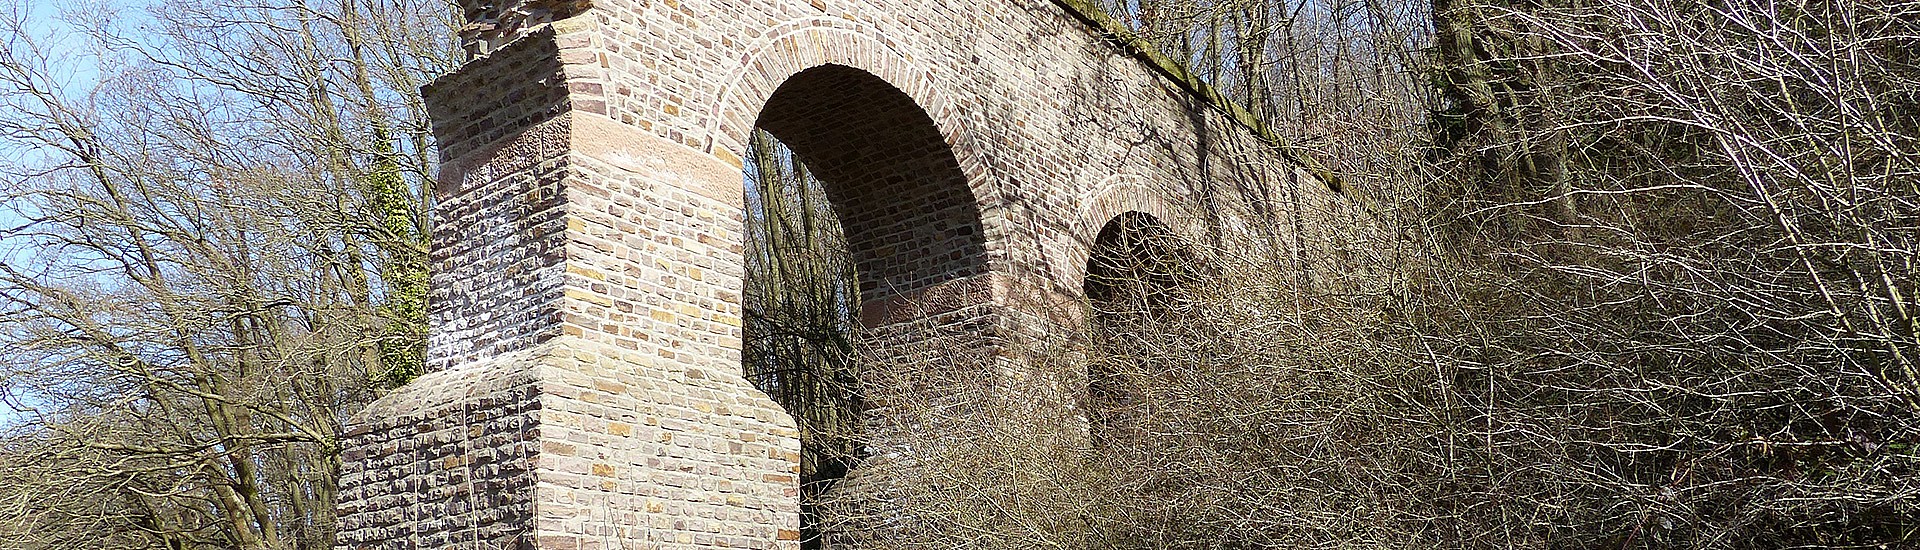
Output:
[[585, 321]]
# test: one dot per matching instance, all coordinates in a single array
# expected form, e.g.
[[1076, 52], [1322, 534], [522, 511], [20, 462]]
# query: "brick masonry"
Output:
[[584, 388]]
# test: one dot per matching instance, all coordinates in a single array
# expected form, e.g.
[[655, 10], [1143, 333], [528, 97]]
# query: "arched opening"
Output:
[[855, 203], [1133, 273]]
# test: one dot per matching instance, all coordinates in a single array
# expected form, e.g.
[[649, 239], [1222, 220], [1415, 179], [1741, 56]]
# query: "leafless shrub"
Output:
[[1203, 410], [1696, 323]]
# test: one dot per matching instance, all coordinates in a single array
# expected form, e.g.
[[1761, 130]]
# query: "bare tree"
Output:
[[800, 306], [220, 252]]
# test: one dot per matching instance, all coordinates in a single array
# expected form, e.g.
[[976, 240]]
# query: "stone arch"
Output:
[[815, 45], [913, 224], [910, 214], [1136, 261], [1113, 198], [803, 45], [1144, 248], [797, 45]]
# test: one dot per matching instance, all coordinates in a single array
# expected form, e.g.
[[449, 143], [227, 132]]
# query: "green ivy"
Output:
[[402, 338]]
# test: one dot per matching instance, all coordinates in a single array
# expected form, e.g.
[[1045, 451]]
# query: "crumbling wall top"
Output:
[[492, 23]]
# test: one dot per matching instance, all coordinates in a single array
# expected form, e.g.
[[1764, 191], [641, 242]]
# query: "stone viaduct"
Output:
[[584, 386]]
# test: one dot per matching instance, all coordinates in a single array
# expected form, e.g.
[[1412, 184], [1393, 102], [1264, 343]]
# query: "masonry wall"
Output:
[[445, 463], [1044, 116], [586, 322]]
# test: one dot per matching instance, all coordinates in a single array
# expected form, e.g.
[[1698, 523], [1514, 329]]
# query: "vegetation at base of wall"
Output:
[[1243, 411]]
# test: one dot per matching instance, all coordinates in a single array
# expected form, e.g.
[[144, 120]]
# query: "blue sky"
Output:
[[45, 22]]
